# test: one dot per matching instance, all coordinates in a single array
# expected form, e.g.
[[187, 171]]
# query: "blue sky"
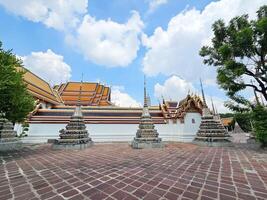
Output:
[[159, 38]]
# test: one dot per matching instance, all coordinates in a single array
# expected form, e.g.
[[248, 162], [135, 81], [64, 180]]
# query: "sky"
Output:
[[117, 42]]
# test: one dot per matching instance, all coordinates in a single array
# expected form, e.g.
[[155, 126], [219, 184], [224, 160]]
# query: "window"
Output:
[[193, 121]]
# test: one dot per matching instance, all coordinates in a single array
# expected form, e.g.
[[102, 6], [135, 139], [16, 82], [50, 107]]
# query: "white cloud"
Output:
[[175, 50], [218, 104], [48, 65], [106, 42], [176, 89], [154, 4], [56, 14], [122, 99]]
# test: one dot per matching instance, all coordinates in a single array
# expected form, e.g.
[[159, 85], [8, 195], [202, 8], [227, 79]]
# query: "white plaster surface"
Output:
[[39, 133]]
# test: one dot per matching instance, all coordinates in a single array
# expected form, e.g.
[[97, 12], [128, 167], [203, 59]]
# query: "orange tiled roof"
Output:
[[93, 94], [227, 121], [39, 88]]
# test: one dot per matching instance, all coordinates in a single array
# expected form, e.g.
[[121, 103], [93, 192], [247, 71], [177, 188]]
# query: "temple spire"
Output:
[[203, 95], [145, 96], [78, 109], [213, 108], [79, 97]]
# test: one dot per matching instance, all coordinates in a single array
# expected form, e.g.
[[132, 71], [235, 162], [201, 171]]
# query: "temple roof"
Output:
[[93, 94], [175, 110], [39, 88], [96, 115], [227, 121]]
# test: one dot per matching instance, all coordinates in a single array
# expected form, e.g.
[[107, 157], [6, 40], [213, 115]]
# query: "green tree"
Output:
[[238, 51], [259, 116], [15, 101]]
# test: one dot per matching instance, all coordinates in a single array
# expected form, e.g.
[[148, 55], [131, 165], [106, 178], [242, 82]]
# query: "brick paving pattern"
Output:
[[115, 171]]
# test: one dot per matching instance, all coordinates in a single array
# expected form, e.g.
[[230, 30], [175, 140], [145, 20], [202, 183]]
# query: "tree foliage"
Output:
[[15, 101], [238, 51], [259, 117]]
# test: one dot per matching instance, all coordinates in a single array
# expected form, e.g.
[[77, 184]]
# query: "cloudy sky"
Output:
[[116, 42]]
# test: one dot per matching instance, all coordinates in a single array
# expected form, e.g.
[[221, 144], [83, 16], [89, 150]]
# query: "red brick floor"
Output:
[[115, 171]]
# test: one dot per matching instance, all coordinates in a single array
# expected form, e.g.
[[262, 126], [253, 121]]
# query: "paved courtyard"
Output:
[[115, 171]]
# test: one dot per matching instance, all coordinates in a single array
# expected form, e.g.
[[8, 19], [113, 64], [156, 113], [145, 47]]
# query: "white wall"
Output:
[[39, 133]]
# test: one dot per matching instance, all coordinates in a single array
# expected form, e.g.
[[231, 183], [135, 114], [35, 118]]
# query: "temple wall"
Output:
[[184, 132]]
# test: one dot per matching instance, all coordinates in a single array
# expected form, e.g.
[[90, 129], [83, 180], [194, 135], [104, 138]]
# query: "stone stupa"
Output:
[[237, 128], [8, 139], [211, 130], [146, 135], [75, 135]]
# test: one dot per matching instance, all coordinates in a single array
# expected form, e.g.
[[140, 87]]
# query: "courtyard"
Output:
[[116, 171]]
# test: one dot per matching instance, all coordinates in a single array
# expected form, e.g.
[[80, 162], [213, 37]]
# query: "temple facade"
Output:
[[106, 122]]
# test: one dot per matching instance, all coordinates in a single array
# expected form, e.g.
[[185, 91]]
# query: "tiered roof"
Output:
[[39, 88], [174, 110], [92, 94], [96, 115]]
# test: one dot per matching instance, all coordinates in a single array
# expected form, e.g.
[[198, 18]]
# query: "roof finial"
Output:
[[203, 96], [145, 97]]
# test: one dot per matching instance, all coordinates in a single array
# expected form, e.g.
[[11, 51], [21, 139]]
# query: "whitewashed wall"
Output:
[[39, 133]]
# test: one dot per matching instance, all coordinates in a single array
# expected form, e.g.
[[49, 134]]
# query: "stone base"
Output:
[[146, 145], [57, 146], [10, 146], [213, 141]]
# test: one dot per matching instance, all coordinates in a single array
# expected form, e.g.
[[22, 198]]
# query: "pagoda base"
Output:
[[72, 146], [10, 145], [213, 141], [147, 144]]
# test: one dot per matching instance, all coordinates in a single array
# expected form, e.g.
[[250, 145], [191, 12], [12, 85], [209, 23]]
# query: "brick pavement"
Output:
[[115, 171]]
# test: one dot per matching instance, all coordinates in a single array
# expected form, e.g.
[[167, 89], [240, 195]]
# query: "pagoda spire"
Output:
[[146, 135], [213, 108], [203, 95], [78, 109], [145, 96], [75, 135]]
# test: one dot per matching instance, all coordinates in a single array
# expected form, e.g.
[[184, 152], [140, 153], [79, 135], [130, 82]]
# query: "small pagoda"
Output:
[[8, 139], [75, 135], [211, 131], [146, 135]]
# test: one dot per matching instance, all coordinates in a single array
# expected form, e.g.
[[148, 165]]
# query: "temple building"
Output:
[[174, 120]]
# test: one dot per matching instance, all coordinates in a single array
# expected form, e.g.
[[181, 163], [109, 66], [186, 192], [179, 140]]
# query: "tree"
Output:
[[15, 101], [259, 116], [239, 51]]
